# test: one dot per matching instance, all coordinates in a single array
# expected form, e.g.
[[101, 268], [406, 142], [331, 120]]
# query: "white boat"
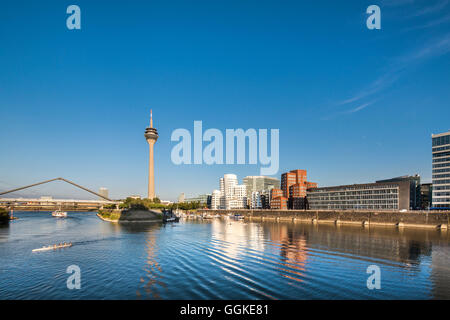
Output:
[[59, 214], [53, 247], [210, 216]]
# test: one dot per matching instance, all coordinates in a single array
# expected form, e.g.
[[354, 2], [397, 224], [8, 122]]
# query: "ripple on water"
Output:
[[218, 260]]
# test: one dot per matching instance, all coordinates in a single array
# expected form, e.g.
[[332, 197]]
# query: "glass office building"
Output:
[[260, 184], [203, 199], [441, 170]]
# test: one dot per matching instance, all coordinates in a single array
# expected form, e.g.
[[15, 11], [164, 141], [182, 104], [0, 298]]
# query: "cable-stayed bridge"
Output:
[[48, 203]]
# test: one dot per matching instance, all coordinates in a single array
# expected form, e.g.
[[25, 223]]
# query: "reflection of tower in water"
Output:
[[152, 269]]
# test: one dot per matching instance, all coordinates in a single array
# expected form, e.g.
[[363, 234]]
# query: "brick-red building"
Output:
[[275, 193], [275, 199], [311, 185], [294, 186], [279, 203]]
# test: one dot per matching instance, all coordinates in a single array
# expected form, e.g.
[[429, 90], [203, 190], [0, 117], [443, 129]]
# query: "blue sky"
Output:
[[352, 105]]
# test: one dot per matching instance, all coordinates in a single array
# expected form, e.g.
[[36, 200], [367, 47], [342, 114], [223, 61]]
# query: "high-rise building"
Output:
[[275, 199], [426, 192], [151, 135], [181, 197], [294, 186], [280, 203], [256, 202], [311, 185], [298, 203], [265, 200], [260, 183], [103, 192], [441, 169], [275, 193], [215, 200], [239, 200], [287, 180], [232, 195]]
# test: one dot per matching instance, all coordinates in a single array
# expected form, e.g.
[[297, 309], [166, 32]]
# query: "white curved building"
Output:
[[232, 195]]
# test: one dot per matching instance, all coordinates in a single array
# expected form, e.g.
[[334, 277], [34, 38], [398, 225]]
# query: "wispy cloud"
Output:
[[428, 14], [350, 111], [438, 6], [423, 14], [429, 24], [376, 86], [438, 47], [395, 3], [435, 48], [359, 108]]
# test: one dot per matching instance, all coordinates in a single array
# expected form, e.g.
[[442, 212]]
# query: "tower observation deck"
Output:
[[151, 135]]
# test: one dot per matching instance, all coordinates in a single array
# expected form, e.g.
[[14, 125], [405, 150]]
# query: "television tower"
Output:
[[151, 134]]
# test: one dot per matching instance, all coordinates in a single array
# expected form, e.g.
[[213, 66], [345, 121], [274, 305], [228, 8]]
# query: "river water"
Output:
[[219, 259]]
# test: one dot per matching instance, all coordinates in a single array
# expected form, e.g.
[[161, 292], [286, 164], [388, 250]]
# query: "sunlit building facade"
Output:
[[232, 195], [260, 183], [441, 170], [294, 187], [381, 195], [256, 202], [215, 200]]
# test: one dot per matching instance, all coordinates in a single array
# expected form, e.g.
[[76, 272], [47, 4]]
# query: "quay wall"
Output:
[[419, 219]]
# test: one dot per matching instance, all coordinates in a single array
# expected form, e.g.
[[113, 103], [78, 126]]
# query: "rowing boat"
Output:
[[54, 247]]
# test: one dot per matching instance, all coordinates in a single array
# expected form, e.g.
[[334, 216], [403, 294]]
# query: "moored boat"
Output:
[[59, 214], [171, 219], [169, 216]]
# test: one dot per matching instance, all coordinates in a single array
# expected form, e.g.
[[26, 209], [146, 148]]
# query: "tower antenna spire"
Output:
[[151, 119]]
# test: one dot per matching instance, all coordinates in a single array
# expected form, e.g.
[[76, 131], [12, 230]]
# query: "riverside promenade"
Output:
[[416, 219]]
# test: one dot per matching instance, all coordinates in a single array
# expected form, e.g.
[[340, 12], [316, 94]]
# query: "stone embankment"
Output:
[[417, 219]]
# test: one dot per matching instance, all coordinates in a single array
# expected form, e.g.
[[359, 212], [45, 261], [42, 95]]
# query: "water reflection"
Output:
[[440, 272], [4, 232], [153, 269], [293, 250], [220, 259], [410, 250], [152, 279], [232, 237]]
